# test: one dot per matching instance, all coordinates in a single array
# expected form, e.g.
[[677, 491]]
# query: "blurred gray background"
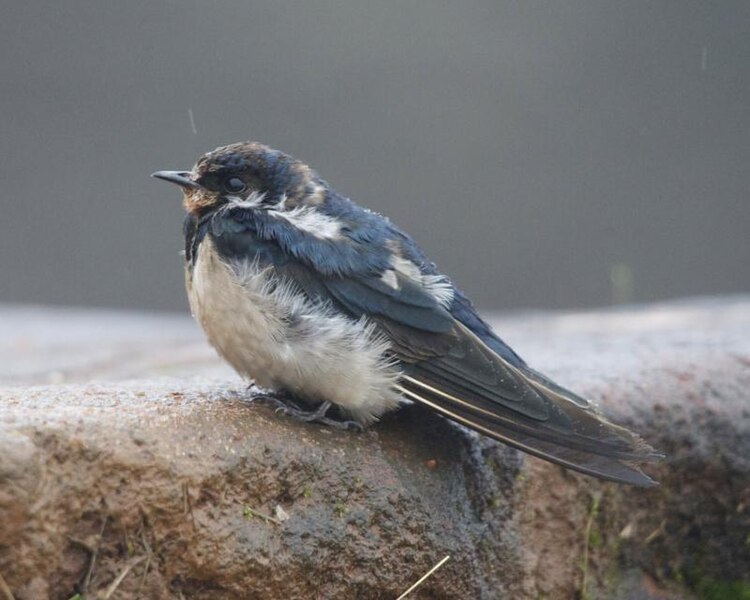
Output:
[[546, 154]]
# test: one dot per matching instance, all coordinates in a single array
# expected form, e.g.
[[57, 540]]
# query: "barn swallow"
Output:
[[305, 292]]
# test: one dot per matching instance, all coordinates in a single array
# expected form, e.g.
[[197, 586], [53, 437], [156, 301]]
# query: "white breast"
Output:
[[271, 332]]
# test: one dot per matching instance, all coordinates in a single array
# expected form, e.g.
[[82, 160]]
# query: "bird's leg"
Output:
[[286, 405], [318, 415]]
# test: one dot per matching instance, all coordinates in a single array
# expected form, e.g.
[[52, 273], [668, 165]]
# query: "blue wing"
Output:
[[451, 360]]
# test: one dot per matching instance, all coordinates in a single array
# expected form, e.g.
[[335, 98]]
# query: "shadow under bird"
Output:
[[309, 294]]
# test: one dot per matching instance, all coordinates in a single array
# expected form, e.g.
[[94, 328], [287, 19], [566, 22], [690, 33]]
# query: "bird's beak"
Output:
[[181, 178]]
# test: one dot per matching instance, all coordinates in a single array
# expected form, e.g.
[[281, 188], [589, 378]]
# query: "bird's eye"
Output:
[[234, 185]]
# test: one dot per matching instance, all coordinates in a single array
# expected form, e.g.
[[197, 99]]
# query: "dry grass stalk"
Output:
[[423, 578], [5, 589]]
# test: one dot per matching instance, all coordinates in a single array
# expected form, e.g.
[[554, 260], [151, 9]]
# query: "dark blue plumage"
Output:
[[367, 253], [264, 211]]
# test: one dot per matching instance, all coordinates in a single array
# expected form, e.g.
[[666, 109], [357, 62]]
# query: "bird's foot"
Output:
[[287, 406]]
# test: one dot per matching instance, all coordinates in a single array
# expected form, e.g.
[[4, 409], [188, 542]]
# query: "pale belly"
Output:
[[272, 333]]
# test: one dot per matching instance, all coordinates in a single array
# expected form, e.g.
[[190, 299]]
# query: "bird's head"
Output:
[[247, 174]]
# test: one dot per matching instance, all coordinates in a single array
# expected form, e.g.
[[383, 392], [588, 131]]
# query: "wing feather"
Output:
[[448, 368]]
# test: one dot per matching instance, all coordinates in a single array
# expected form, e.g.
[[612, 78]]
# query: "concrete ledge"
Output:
[[132, 463]]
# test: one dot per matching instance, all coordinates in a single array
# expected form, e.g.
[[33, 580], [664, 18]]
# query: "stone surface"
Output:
[[133, 464]]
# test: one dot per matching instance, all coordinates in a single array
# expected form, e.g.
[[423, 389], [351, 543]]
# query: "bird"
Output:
[[333, 307]]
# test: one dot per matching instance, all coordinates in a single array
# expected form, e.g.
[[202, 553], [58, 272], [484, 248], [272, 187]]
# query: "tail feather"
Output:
[[592, 446]]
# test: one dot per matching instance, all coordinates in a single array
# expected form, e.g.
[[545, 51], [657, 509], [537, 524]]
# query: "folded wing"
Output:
[[449, 369]]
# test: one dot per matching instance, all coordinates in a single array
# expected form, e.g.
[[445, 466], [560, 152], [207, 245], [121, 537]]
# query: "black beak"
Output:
[[181, 178]]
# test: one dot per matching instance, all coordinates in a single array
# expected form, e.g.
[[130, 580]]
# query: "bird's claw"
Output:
[[336, 424], [287, 407]]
